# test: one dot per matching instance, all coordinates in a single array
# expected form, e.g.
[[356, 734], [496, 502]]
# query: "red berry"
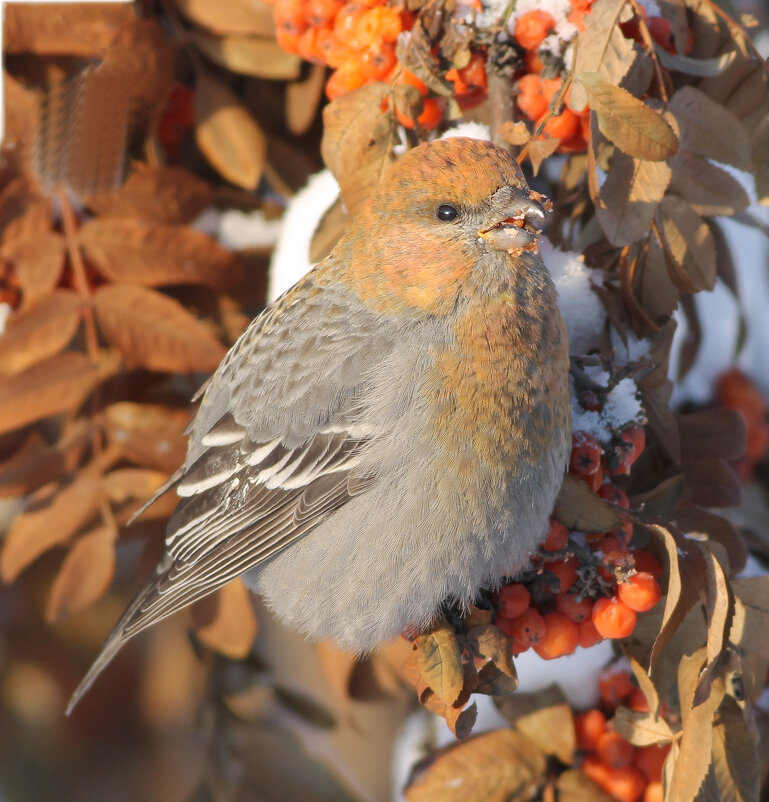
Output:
[[513, 600], [532, 27], [565, 570], [661, 31], [588, 634], [586, 454], [614, 750], [576, 610], [613, 494], [644, 561], [613, 618], [614, 687], [561, 637], [651, 759], [640, 592], [557, 537], [589, 728], [637, 701], [526, 630]]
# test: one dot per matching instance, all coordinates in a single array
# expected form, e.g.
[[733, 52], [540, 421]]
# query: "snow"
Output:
[[559, 10], [622, 406]]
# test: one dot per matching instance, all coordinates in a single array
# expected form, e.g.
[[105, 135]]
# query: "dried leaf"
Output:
[[602, 48], [134, 252], [760, 160], [24, 214], [494, 767], [545, 718], [358, 140], [642, 729], [415, 53], [735, 756], [149, 435], [574, 786], [539, 149], [39, 331], [652, 287], [712, 433], [303, 99], [241, 17], [493, 682], [38, 262], [686, 579], [707, 129], [250, 55], [701, 67], [228, 135], [490, 642], [688, 244], [439, 662], [59, 384], [629, 197], [69, 29], [709, 189], [515, 133], [691, 518], [579, 507], [84, 575], [161, 194], [51, 515], [751, 615], [225, 621], [625, 120], [711, 483], [126, 484], [153, 331]]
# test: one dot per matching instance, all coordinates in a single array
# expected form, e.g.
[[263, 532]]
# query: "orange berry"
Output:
[[653, 792], [588, 634], [625, 784], [530, 85], [634, 440], [614, 687], [551, 87], [329, 48], [661, 30], [565, 570], [589, 727], [513, 600], [431, 116], [344, 80], [640, 592], [613, 618], [576, 610], [346, 23], [614, 750], [651, 760], [532, 27], [557, 537], [379, 24], [736, 391], [586, 453], [561, 637], [291, 16], [596, 769], [563, 125], [526, 630], [474, 74], [533, 62], [377, 61], [322, 12], [407, 77], [287, 40], [644, 561], [637, 701], [308, 46], [532, 106]]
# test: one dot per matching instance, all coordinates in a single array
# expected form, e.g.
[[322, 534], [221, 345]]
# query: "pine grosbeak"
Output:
[[392, 432]]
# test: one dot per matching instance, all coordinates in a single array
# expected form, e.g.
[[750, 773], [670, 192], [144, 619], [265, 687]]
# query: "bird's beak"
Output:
[[522, 224]]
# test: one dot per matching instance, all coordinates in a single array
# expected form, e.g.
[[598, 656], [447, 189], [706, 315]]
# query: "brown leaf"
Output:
[[249, 55], [602, 48], [709, 189], [439, 662], [149, 435], [160, 194], [712, 433], [539, 149], [630, 196], [515, 133], [22, 112], [735, 757], [337, 666], [545, 718], [759, 142], [134, 252], [84, 575], [126, 484], [718, 529], [38, 260], [39, 331], [59, 384], [24, 214], [579, 507], [751, 615], [662, 421], [688, 244], [711, 483], [642, 729], [225, 621], [303, 98], [647, 687], [651, 284], [227, 134], [153, 331], [490, 642], [707, 129], [686, 579], [242, 17], [358, 140], [632, 126], [50, 516], [493, 682], [70, 29], [497, 766], [574, 786], [415, 53]]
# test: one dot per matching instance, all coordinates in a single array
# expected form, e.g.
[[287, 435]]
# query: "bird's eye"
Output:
[[447, 213]]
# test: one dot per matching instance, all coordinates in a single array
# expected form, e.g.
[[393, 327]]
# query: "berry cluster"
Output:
[[627, 772], [736, 391], [577, 595]]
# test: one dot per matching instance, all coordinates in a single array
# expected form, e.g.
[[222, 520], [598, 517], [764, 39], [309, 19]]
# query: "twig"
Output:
[[733, 24], [649, 42]]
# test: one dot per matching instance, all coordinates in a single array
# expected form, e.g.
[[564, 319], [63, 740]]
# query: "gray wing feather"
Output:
[[273, 451]]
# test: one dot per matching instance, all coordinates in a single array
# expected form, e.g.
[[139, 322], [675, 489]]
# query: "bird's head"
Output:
[[440, 211]]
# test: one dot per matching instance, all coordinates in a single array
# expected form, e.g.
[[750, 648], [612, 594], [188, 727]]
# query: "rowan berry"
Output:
[[561, 637], [614, 750], [588, 634], [343, 80], [646, 562], [634, 441], [557, 537], [322, 12], [613, 494], [574, 608], [532, 27], [613, 618], [565, 570], [661, 30], [653, 792], [640, 592], [513, 600], [526, 630], [651, 760], [625, 784], [586, 453], [563, 125], [637, 701], [589, 727], [614, 687]]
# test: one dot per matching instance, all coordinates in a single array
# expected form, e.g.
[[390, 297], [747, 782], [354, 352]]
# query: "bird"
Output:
[[392, 432]]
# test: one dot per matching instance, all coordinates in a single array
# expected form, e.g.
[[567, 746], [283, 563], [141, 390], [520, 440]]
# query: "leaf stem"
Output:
[[649, 43]]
